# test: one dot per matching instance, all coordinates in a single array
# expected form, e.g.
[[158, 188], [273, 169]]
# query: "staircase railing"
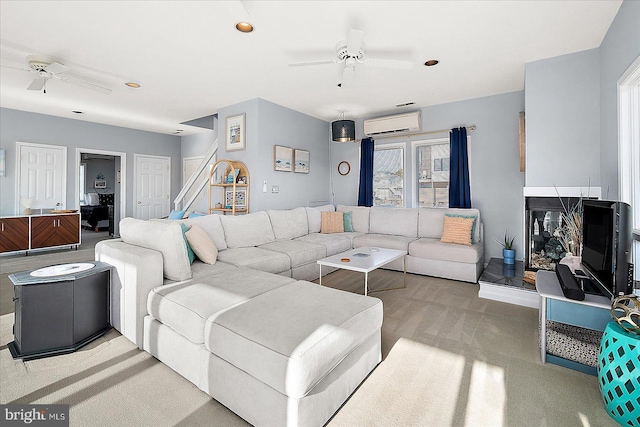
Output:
[[208, 159]]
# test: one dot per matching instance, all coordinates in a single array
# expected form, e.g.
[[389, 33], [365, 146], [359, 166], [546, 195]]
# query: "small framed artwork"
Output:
[[236, 132], [282, 158], [241, 198], [301, 158], [100, 184]]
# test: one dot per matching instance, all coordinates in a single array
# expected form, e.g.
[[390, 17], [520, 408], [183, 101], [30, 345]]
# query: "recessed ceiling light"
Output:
[[132, 84], [77, 112], [244, 27], [431, 62]]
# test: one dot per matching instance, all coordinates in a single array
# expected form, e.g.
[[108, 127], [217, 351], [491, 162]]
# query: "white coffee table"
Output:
[[373, 258]]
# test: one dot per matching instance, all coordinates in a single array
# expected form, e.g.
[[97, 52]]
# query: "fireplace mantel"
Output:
[[591, 192]]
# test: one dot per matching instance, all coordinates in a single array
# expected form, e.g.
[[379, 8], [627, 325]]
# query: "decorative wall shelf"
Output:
[[235, 195]]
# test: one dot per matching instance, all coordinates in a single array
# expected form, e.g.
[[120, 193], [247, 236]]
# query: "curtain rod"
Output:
[[469, 129]]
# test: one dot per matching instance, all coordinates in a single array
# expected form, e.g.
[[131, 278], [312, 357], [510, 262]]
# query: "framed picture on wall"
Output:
[[282, 158], [236, 131], [301, 158], [100, 184]]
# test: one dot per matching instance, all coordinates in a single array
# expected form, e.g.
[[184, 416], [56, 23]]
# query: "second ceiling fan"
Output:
[[352, 52]]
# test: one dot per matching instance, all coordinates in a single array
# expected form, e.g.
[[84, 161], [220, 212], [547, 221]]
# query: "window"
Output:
[[388, 175], [432, 166]]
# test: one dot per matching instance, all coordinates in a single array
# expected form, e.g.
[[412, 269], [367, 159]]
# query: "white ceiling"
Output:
[[191, 61]]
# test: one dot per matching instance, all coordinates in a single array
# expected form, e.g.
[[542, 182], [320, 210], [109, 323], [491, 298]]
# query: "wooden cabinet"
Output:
[[54, 230], [14, 234], [39, 231]]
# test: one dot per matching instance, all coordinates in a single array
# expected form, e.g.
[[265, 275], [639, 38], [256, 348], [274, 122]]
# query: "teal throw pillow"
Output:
[[195, 214], [190, 253], [347, 221], [473, 227], [176, 214]]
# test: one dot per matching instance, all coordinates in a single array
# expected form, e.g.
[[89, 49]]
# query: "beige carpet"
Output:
[[450, 358]]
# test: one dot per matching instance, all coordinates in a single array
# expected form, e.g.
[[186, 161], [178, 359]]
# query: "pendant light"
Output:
[[343, 130]]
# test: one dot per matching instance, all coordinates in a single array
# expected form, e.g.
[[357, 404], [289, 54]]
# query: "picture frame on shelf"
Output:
[[236, 133], [301, 161], [282, 158], [101, 183], [241, 198]]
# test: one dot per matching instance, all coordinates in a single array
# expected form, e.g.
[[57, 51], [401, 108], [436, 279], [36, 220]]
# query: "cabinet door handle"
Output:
[[54, 222], [3, 226], [58, 223]]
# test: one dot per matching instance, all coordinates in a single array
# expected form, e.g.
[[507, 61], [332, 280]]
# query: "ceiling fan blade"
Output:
[[16, 68], [37, 84], [389, 63], [354, 42], [304, 64], [87, 85], [56, 68], [347, 77]]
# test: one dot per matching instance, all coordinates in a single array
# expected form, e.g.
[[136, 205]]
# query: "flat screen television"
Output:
[[606, 245]]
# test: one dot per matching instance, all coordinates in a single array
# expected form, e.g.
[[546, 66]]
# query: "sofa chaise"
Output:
[[252, 323]]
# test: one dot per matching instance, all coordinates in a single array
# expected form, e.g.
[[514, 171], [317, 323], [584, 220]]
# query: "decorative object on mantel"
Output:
[[508, 253], [344, 168], [529, 277], [282, 158], [236, 138]]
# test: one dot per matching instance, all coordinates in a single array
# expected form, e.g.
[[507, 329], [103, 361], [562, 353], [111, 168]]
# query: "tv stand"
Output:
[[592, 314]]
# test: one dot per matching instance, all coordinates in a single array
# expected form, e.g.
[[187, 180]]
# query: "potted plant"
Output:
[[508, 253]]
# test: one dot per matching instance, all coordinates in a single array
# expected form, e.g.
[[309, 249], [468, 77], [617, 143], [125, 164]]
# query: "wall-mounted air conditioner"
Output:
[[399, 123]]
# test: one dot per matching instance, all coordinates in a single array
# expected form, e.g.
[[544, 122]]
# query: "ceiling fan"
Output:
[[352, 52], [45, 69]]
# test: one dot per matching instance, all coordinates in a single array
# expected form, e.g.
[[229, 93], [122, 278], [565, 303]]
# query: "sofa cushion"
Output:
[[436, 250], [431, 221], [360, 217], [333, 243], [212, 226], [384, 241], [185, 306], [347, 219], [256, 258], [394, 221], [313, 216], [457, 229], [291, 337], [202, 245], [200, 269], [299, 252], [243, 231], [331, 222], [163, 236], [289, 224]]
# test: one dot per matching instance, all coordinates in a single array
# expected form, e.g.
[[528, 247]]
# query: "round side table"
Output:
[[619, 374]]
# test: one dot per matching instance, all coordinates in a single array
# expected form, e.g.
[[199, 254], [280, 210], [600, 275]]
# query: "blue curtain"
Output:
[[459, 188], [365, 191]]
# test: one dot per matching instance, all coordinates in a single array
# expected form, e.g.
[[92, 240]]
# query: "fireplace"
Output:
[[543, 220]]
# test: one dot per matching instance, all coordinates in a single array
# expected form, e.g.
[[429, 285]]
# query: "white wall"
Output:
[[620, 47], [563, 121], [39, 128]]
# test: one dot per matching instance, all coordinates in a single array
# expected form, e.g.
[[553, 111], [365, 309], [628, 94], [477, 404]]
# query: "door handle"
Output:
[[54, 222], [139, 202], [58, 223], [3, 226], [58, 204]]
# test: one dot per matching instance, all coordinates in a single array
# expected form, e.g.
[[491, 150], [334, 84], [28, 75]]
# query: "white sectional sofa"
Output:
[[251, 330]]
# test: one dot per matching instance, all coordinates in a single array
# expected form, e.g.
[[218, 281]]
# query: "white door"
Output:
[[152, 183], [42, 177]]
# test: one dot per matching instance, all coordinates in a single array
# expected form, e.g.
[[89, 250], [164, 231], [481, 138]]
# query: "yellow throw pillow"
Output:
[[202, 245], [331, 222], [457, 230]]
